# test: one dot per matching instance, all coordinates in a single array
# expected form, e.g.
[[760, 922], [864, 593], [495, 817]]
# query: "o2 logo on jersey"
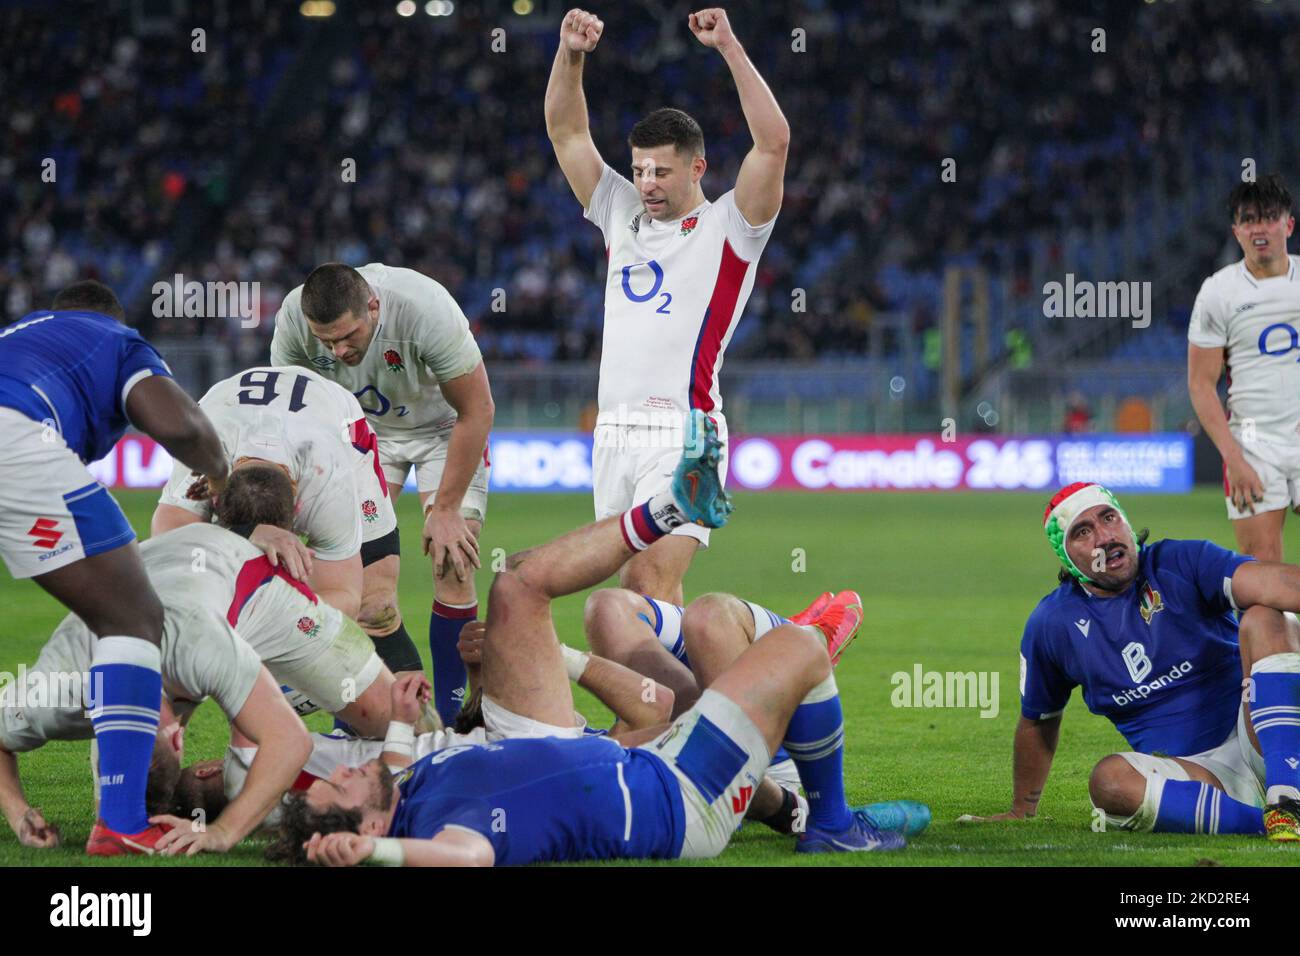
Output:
[[1137, 662], [657, 271], [384, 407], [1292, 339]]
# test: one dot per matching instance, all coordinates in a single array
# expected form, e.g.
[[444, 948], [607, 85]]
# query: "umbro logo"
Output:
[[323, 361], [1244, 308], [1083, 624]]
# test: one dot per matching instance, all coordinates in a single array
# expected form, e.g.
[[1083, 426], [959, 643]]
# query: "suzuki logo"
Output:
[[43, 533]]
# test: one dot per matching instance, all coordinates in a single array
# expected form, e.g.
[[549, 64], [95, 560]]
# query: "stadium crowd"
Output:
[[454, 176]]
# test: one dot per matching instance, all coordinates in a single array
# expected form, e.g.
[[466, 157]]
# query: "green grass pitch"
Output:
[[947, 580]]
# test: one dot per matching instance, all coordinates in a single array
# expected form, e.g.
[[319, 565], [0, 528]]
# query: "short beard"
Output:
[[384, 788]]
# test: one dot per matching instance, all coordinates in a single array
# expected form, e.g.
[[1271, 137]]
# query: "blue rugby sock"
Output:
[[815, 741], [1275, 714], [1188, 806], [448, 669], [124, 698]]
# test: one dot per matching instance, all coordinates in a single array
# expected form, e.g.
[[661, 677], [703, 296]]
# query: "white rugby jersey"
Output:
[[1257, 324], [674, 292], [422, 339], [296, 418], [201, 657], [268, 608]]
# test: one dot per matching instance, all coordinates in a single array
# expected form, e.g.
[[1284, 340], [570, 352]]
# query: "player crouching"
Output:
[[1149, 633]]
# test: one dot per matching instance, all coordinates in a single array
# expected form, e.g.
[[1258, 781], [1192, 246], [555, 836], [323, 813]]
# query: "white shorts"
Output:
[[373, 501], [429, 456], [1235, 763], [718, 757], [631, 463], [333, 673], [52, 510], [502, 724], [1278, 467]]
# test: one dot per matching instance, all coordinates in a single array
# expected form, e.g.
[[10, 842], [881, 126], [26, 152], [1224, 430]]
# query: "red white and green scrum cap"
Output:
[[1064, 510]]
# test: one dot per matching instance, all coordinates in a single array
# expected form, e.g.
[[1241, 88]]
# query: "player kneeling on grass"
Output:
[[1149, 633], [701, 641], [202, 657], [681, 795]]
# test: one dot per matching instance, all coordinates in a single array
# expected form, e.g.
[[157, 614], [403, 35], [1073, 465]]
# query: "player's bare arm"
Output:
[[283, 746], [1035, 747], [161, 409], [566, 105], [447, 537], [27, 822], [1204, 366], [637, 702], [1268, 583], [338, 583], [456, 847], [760, 183], [410, 695]]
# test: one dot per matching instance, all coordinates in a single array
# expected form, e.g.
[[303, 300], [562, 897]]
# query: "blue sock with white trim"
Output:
[[449, 674], [1275, 714], [1189, 806], [124, 700], [815, 741]]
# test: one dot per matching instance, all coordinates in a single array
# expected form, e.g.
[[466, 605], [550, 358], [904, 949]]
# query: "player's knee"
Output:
[[1262, 631], [716, 613], [510, 587], [379, 613], [1115, 786], [606, 617]]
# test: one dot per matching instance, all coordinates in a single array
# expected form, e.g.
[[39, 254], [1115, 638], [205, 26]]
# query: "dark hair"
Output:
[[89, 295], [668, 126], [298, 822], [164, 774], [471, 713], [333, 289], [198, 793], [1268, 196], [1063, 576], [256, 494]]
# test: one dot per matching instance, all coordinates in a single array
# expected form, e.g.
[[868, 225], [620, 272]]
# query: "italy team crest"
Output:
[[1149, 604]]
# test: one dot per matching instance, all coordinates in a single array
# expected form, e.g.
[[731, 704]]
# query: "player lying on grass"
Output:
[[1148, 632], [647, 634], [304, 642], [73, 377], [715, 630], [522, 801], [201, 657], [636, 703], [314, 430]]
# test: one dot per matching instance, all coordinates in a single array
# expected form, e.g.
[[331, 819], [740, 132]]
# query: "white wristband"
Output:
[[575, 662], [400, 739], [387, 852]]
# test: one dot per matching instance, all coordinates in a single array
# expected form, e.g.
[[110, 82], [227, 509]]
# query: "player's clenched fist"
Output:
[[712, 28], [580, 31], [339, 849]]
